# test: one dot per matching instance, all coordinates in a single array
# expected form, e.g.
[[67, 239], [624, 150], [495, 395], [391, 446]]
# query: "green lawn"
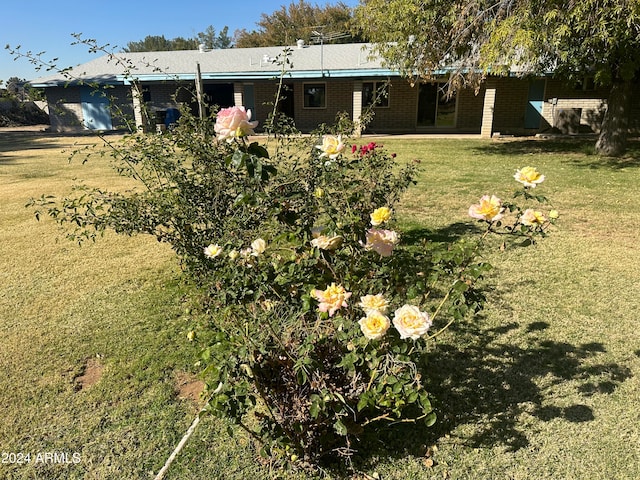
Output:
[[542, 384]]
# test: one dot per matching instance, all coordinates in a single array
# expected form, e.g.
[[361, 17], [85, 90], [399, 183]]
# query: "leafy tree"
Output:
[[158, 43], [298, 21], [599, 38], [213, 41]]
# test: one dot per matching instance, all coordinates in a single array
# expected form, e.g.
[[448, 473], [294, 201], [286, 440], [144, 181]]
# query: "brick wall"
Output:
[[510, 105]]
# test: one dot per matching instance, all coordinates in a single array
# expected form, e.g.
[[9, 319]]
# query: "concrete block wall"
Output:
[[592, 103], [65, 109]]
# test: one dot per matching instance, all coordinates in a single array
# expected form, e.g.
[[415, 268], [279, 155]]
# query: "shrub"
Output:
[[319, 313]]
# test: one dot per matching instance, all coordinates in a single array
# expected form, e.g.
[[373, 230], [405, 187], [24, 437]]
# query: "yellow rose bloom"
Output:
[[489, 209], [553, 214], [327, 243], [531, 218], [212, 251], [529, 177], [380, 215], [374, 303], [258, 247], [331, 299], [374, 325], [411, 322], [331, 146]]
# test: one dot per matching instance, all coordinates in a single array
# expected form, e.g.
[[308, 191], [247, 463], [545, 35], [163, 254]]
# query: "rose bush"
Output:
[[317, 313]]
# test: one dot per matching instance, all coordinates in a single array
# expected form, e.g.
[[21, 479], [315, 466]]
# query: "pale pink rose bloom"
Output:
[[234, 122], [411, 322], [531, 218], [490, 209], [331, 299], [381, 241], [374, 325]]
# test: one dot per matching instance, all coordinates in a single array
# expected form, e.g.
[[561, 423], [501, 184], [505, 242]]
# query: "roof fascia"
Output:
[[307, 74]]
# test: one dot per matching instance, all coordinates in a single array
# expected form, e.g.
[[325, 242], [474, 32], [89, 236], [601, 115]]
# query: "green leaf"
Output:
[[340, 428], [237, 158], [430, 419], [363, 402], [258, 150]]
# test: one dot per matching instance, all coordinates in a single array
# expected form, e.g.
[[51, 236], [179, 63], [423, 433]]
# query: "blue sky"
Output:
[[48, 26]]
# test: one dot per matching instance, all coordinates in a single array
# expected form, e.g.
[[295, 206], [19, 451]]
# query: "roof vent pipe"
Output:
[[300, 44]]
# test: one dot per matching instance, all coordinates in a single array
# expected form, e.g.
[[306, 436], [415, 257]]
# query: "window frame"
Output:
[[383, 102], [305, 96]]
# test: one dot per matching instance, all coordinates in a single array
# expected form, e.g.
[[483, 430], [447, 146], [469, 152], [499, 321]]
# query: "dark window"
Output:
[[146, 94], [315, 95], [375, 94]]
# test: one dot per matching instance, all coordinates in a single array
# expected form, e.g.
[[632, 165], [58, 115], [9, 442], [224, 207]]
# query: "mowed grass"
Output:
[[542, 384]]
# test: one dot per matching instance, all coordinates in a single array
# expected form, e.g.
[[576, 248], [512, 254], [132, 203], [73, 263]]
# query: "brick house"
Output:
[[320, 80]]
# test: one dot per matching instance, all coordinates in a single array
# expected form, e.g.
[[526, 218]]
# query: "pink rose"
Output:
[[234, 122], [381, 241]]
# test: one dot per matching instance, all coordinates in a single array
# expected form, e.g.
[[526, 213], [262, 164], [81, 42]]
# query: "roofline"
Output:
[[307, 74]]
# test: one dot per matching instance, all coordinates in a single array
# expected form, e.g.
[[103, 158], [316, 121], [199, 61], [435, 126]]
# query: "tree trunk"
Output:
[[612, 141]]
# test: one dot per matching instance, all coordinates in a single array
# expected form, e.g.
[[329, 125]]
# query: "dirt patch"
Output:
[[90, 375], [189, 387]]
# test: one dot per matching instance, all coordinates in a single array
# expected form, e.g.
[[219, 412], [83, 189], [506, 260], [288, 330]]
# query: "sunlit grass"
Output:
[[543, 384]]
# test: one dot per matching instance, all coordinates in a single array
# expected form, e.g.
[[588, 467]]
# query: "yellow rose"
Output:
[[371, 303], [411, 322], [331, 146], [529, 177], [374, 325], [258, 247], [531, 218], [212, 251], [553, 214], [331, 299], [327, 243], [489, 209], [380, 215]]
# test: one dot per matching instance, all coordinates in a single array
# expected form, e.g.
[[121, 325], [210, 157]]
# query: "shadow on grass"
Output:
[[11, 142], [584, 146], [483, 382], [450, 233]]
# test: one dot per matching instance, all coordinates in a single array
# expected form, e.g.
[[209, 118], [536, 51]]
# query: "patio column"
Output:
[[140, 113], [238, 94], [357, 107], [486, 130]]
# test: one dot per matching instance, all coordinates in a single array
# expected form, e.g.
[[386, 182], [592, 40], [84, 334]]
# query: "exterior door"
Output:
[[96, 111], [533, 114], [435, 109]]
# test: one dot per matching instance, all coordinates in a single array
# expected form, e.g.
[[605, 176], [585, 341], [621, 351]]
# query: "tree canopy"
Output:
[[474, 38], [298, 21], [158, 43]]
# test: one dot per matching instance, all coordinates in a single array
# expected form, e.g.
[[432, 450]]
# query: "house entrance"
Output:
[[286, 105], [435, 109], [533, 113], [219, 94]]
